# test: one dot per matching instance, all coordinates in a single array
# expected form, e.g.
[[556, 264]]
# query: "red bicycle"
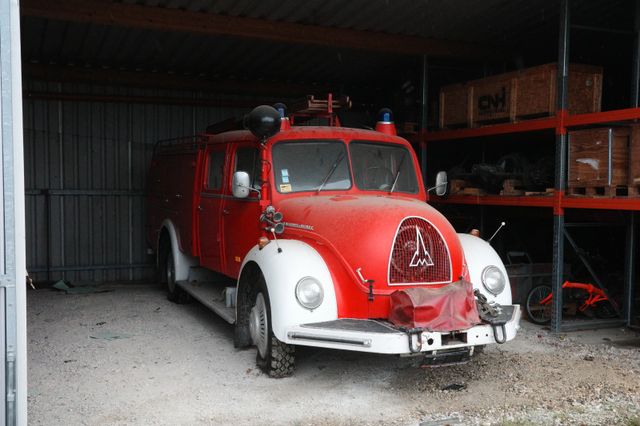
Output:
[[539, 300]]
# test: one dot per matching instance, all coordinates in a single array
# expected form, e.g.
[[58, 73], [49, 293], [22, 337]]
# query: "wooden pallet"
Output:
[[546, 192], [464, 187], [603, 191], [512, 187], [457, 185]]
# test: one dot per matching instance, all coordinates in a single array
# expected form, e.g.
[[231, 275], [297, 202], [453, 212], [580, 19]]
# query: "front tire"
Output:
[[275, 358]]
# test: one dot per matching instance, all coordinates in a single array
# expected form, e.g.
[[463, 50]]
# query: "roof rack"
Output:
[[300, 110], [310, 107]]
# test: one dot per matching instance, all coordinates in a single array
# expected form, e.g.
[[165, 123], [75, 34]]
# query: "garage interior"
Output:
[[103, 81]]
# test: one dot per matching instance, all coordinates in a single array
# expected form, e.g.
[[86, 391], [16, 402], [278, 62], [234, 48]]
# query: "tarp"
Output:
[[448, 308]]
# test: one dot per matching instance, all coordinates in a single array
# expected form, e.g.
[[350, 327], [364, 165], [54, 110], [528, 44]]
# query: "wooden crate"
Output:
[[598, 161], [527, 93]]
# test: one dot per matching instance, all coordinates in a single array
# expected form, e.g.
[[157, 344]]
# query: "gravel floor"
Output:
[[175, 364]]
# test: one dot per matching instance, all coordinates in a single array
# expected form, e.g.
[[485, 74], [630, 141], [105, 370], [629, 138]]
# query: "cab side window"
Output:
[[248, 160], [215, 170]]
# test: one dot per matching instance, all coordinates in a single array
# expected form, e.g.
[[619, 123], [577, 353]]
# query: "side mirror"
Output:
[[240, 185], [441, 184]]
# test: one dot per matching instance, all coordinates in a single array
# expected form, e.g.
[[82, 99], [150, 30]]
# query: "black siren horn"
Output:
[[263, 122]]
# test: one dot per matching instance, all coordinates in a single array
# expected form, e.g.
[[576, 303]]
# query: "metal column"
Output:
[[561, 165], [424, 117], [630, 260], [12, 221], [3, 360], [630, 264], [635, 69]]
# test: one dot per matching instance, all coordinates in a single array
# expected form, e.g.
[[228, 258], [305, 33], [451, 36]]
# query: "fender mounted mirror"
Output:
[[441, 184], [240, 185]]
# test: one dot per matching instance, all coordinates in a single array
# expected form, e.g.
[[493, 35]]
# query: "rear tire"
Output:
[[275, 358], [604, 310], [537, 313], [175, 293]]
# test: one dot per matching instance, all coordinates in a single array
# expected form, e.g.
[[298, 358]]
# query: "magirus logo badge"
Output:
[[421, 256]]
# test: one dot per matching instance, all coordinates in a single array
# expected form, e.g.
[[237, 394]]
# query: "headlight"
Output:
[[493, 280], [309, 293]]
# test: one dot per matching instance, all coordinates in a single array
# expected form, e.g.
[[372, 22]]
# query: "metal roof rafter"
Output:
[[164, 19]]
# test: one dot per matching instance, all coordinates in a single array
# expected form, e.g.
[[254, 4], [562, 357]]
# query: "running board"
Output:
[[211, 295]]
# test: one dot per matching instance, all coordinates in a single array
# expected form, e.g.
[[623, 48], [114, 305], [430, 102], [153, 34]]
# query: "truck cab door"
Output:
[[210, 231], [241, 216]]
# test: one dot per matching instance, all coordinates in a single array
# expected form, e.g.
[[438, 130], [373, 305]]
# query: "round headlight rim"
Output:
[[502, 277], [317, 282]]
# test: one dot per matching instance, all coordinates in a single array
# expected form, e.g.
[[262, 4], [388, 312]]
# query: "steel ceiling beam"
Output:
[[165, 19], [109, 76]]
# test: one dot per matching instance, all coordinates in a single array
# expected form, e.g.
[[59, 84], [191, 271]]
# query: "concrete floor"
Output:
[[129, 356]]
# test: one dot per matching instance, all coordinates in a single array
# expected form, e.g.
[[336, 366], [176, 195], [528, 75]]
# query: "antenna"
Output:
[[275, 239], [496, 233]]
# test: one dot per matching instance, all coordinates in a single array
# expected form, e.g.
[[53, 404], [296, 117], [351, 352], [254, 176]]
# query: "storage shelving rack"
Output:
[[559, 201]]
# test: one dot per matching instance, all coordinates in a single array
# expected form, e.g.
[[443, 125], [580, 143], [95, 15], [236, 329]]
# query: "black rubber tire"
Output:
[[241, 335], [279, 361], [532, 305], [604, 310], [174, 293]]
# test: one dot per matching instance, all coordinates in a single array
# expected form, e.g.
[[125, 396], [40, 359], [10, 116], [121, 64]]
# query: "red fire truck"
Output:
[[321, 236]]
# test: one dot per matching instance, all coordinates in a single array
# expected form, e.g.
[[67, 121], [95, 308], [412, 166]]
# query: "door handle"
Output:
[[178, 195], [225, 211], [200, 208]]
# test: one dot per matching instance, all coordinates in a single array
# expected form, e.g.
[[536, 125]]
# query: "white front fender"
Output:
[[281, 272], [479, 254]]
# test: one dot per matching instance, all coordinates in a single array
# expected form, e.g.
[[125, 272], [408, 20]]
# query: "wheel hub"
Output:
[[258, 327]]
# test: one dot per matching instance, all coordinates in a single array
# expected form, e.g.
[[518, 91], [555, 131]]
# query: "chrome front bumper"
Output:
[[382, 337]]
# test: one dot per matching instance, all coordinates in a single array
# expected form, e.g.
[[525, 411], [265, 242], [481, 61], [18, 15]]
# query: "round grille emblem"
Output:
[[419, 254]]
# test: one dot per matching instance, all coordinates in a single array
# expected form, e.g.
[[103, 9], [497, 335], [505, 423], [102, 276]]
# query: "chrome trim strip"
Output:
[[330, 339]]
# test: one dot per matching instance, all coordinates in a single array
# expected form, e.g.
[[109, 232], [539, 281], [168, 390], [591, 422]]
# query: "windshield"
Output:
[[311, 165], [383, 167]]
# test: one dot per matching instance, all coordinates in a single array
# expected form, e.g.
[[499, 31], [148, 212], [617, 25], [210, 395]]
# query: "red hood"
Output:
[[362, 229]]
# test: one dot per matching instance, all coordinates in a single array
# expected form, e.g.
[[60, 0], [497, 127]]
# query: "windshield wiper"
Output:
[[334, 166], [395, 179]]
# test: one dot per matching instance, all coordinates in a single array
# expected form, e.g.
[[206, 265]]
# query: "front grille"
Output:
[[419, 254]]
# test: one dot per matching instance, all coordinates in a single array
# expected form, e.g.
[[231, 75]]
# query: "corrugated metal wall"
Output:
[[85, 173]]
